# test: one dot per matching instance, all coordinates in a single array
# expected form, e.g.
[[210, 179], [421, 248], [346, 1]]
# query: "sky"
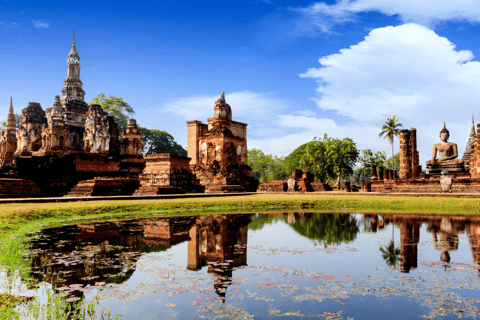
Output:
[[291, 70]]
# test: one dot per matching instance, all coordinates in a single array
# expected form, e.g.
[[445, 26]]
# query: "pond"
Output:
[[268, 266]]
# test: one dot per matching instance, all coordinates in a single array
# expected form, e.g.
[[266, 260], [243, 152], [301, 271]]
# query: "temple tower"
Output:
[[73, 85], [8, 139]]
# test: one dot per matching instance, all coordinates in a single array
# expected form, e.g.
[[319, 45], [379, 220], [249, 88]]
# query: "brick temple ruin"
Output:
[[218, 151], [443, 174], [74, 149]]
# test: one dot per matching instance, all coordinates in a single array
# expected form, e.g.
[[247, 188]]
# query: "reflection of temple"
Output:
[[447, 239], [89, 253], [219, 241], [409, 238], [85, 254], [445, 231]]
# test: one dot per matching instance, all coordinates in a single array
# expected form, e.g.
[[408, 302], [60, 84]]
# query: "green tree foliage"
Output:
[[154, 140], [4, 123], [390, 130], [266, 167], [396, 162], [115, 107], [328, 228], [292, 161], [367, 158], [330, 158], [157, 141]]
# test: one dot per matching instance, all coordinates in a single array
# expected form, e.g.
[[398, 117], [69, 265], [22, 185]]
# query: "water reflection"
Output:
[[81, 258]]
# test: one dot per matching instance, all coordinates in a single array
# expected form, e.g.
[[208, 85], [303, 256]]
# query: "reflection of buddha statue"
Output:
[[447, 154]]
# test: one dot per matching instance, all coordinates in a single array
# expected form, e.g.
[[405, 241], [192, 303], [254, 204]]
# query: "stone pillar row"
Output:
[[383, 174]]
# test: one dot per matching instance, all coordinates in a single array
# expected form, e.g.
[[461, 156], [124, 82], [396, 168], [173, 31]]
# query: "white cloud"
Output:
[[41, 24], [408, 71], [246, 105], [425, 12]]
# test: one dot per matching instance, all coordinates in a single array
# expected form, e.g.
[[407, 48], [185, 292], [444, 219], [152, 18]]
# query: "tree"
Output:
[[157, 141], [293, 159], [330, 158], [4, 123], [154, 140], [390, 130], [277, 169], [367, 159], [396, 162], [266, 167], [117, 108]]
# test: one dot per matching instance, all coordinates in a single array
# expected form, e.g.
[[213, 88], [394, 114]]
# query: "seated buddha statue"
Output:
[[447, 155]]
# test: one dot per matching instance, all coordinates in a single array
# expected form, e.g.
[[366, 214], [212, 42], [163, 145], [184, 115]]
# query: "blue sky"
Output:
[[292, 70]]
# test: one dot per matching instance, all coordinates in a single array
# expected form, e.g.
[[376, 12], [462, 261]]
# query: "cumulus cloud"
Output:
[[426, 13], [40, 24], [408, 71]]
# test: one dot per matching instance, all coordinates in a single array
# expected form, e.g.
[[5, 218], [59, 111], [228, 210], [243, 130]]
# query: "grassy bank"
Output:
[[19, 220], [14, 215]]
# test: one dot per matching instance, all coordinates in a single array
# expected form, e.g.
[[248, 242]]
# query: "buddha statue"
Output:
[[447, 156]]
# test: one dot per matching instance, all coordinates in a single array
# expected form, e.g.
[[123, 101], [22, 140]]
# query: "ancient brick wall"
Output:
[[460, 185], [167, 173], [18, 188], [196, 130], [475, 156], [273, 186]]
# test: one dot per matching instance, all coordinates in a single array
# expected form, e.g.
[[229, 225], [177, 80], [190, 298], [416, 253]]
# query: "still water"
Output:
[[269, 266]]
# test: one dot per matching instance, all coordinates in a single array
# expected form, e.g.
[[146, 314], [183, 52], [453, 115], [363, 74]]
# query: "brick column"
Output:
[[373, 171], [390, 174], [414, 153], [193, 258], [380, 173], [475, 156], [405, 161], [386, 174]]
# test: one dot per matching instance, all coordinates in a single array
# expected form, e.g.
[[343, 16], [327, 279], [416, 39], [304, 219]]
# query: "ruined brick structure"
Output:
[[409, 163], [167, 173], [465, 173], [8, 139], [303, 182], [66, 144], [218, 152]]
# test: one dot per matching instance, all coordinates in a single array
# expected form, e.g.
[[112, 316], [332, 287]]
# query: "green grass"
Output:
[[18, 221]]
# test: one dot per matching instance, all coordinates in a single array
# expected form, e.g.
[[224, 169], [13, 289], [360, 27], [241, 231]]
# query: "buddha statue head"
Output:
[[444, 134]]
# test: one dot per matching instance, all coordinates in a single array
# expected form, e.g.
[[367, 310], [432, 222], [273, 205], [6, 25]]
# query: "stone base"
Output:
[[104, 187], [273, 186], [422, 185], [154, 190], [454, 170], [318, 186]]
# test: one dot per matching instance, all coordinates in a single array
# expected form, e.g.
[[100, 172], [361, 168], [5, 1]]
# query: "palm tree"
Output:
[[390, 254], [389, 130]]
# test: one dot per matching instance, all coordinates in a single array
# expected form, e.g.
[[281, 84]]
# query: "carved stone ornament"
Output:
[[446, 184]]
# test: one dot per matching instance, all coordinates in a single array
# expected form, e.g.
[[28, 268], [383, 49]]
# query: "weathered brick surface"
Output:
[[421, 185], [219, 155], [167, 173], [273, 186], [409, 160], [18, 188], [103, 186]]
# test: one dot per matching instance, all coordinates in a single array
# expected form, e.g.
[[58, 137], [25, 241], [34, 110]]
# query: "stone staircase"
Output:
[[104, 187]]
